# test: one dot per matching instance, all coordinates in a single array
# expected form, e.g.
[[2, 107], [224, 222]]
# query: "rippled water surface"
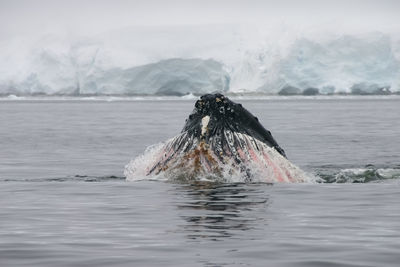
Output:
[[64, 201]]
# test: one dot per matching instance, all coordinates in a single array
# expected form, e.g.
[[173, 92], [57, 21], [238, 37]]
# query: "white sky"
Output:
[[35, 17]]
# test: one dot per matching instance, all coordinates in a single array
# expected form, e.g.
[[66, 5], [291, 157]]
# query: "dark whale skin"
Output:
[[225, 114]]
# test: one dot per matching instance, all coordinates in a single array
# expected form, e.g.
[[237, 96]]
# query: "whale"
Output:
[[220, 141]]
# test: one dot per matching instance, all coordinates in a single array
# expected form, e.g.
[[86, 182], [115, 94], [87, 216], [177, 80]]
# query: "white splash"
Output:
[[184, 159]]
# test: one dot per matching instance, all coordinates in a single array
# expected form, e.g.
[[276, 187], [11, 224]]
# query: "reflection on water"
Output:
[[219, 211]]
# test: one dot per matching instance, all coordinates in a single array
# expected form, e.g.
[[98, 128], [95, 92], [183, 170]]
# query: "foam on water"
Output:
[[185, 159], [134, 169], [358, 174]]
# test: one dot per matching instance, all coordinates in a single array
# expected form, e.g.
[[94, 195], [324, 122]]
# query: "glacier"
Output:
[[342, 65], [201, 59], [166, 77]]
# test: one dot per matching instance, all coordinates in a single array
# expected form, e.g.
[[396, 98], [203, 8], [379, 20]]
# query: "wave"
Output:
[[365, 174], [75, 178], [323, 174]]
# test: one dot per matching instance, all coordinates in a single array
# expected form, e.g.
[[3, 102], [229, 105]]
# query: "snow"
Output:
[[184, 60], [341, 63], [166, 77]]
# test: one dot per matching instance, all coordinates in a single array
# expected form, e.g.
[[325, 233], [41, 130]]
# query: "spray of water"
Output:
[[241, 159]]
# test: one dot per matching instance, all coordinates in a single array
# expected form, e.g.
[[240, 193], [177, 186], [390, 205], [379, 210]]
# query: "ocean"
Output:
[[65, 202]]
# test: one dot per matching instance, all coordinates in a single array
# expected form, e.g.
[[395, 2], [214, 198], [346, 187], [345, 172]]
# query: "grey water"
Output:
[[64, 200]]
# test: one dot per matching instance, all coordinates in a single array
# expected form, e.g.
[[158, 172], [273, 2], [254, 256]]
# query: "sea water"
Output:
[[64, 200]]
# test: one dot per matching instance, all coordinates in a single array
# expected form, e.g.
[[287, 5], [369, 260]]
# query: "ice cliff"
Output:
[[346, 64], [166, 77], [201, 59]]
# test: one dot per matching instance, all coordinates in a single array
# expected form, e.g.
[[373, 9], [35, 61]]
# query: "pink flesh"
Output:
[[277, 171]]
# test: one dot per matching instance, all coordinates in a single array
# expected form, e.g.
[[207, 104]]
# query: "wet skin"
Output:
[[226, 115]]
